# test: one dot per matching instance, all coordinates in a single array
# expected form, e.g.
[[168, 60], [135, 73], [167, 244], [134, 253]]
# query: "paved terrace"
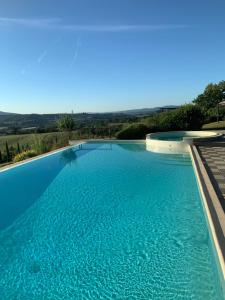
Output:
[[213, 158], [209, 160]]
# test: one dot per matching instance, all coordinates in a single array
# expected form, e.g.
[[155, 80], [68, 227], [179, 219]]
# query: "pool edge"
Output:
[[72, 143], [177, 146], [29, 160], [212, 207]]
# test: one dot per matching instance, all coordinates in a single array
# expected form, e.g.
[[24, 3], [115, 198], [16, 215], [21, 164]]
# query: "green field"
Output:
[[214, 125], [13, 145], [27, 140]]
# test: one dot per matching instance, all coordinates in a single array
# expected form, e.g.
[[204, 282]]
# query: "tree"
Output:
[[67, 124], [134, 131], [18, 147], [186, 117], [189, 117], [221, 85], [7, 151], [212, 96]]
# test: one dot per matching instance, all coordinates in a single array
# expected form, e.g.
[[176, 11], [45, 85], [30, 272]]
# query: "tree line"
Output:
[[203, 109]]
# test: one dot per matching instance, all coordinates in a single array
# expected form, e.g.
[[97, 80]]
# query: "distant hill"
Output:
[[146, 111], [12, 122], [3, 113], [138, 111]]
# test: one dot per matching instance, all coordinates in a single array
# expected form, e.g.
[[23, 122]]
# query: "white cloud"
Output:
[[56, 24], [28, 22]]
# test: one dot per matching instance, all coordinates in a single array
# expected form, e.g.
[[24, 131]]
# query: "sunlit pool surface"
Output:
[[107, 221]]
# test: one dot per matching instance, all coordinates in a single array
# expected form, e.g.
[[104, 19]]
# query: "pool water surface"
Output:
[[173, 137], [105, 221]]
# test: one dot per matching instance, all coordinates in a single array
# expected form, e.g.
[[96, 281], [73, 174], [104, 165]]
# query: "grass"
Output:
[[214, 125], [22, 145], [25, 140]]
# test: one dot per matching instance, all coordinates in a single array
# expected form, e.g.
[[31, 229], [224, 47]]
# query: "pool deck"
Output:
[[213, 158], [209, 162]]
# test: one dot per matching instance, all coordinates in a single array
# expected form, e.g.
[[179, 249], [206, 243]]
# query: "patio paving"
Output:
[[213, 158]]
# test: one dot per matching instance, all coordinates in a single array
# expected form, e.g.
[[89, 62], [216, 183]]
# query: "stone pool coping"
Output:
[[212, 206]]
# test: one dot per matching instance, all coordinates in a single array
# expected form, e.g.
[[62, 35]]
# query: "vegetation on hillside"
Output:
[[134, 131], [35, 123], [66, 124], [187, 117], [13, 146], [214, 125], [204, 109]]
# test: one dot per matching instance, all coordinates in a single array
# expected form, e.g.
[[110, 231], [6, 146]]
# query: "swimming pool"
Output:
[[105, 221]]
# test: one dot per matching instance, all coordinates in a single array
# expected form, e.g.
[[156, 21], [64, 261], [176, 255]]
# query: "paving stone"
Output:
[[214, 160]]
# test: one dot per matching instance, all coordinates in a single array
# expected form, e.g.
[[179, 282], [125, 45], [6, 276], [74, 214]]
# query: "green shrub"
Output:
[[40, 146], [24, 155], [134, 131], [212, 114], [187, 117], [66, 123]]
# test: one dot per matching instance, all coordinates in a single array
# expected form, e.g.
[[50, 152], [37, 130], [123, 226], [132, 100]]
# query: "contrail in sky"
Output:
[[76, 51], [56, 24]]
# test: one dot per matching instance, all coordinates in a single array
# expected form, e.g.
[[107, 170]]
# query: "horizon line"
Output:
[[87, 112]]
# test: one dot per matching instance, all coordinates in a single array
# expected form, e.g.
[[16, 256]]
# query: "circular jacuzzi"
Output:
[[177, 142]]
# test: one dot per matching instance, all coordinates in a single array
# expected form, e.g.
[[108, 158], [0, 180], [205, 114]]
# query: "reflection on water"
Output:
[[21, 186], [138, 147], [68, 156]]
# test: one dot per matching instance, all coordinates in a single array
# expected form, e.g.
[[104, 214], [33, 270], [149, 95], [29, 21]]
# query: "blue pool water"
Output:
[[169, 138], [108, 221], [172, 137]]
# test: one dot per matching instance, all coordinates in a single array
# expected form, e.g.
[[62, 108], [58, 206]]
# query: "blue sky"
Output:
[[108, 55]]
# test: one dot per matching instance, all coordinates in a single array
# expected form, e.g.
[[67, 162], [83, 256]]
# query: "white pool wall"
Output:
[[177, 147]]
